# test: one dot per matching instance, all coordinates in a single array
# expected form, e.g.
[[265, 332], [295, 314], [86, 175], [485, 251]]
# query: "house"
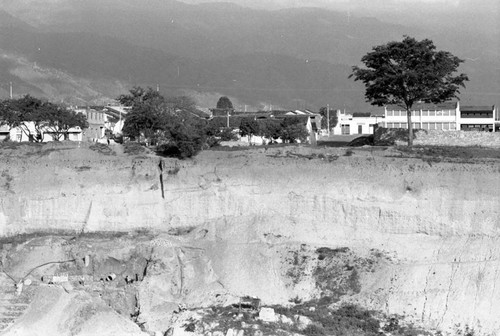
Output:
[[114, 118], [4, 132], [47, 134], [356, 123], [96, 118], [311, 121]]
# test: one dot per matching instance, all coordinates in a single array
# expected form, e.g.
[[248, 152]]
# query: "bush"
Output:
[[293, 129], [388, 136], [226, 134]]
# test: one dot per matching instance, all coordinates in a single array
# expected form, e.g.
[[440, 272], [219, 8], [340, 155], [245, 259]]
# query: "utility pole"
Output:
[[227, 118], [328, 118], [157, 87], [10, 83]]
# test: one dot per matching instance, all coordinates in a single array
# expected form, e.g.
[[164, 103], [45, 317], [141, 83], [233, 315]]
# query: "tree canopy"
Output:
[[293, 129], [164, 121], [224, 103], [407, 72], [44, 116]]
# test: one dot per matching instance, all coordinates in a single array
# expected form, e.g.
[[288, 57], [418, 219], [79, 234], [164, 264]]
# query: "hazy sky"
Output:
[[485, 6]]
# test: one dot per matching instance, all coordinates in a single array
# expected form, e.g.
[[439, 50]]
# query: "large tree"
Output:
[[165, 121], [404, 73]]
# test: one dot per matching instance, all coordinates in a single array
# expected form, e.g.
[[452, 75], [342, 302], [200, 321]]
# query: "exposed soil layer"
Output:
[[411, 232]]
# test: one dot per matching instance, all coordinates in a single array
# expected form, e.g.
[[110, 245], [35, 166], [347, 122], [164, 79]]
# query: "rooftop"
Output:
[[477, 108]]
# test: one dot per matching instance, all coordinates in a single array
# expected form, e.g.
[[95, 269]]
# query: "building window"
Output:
[[346, 129]]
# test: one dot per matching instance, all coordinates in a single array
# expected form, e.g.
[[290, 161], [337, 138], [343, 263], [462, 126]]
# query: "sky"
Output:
[[345, 3], [488, 7]]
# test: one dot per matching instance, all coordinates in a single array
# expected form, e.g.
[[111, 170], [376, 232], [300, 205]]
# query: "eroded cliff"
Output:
[[251, 222]]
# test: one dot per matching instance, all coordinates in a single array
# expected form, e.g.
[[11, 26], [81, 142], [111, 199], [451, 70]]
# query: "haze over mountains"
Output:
[[90, 51]]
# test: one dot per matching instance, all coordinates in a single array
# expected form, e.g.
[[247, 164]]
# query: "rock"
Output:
[[302, 321], [230, 332], [218, 333], [258, 333], [267, 314], [285, 319], [240, 333]]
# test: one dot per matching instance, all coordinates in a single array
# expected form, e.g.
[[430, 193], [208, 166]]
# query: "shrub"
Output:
[[226, 134]]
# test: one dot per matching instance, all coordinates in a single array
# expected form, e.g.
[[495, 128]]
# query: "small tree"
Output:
[[270, 128], [293, 129], [224, 103], [249, 127], [324, 120], [404, 73], [62, 119]]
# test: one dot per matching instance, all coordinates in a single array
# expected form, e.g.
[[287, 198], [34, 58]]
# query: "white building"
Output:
[[356, 123], [19, 134], [445, 116], [478, 118]]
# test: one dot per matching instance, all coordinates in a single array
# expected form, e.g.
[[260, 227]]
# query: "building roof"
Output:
[[361, 114], [200, 113], [477, 108], [426, 106]]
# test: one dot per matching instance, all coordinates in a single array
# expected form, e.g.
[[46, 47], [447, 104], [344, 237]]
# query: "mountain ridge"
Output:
[[256, 56]]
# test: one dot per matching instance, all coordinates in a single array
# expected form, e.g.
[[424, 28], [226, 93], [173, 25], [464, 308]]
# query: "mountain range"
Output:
[[88, 52]]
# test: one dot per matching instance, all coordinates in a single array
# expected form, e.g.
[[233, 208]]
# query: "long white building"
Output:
[[445, 116]]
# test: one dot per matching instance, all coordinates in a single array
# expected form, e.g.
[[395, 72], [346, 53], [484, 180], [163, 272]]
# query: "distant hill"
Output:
[[288, 58]]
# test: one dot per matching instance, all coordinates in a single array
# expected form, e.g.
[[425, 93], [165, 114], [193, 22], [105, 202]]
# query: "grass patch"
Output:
[[434, 154]]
